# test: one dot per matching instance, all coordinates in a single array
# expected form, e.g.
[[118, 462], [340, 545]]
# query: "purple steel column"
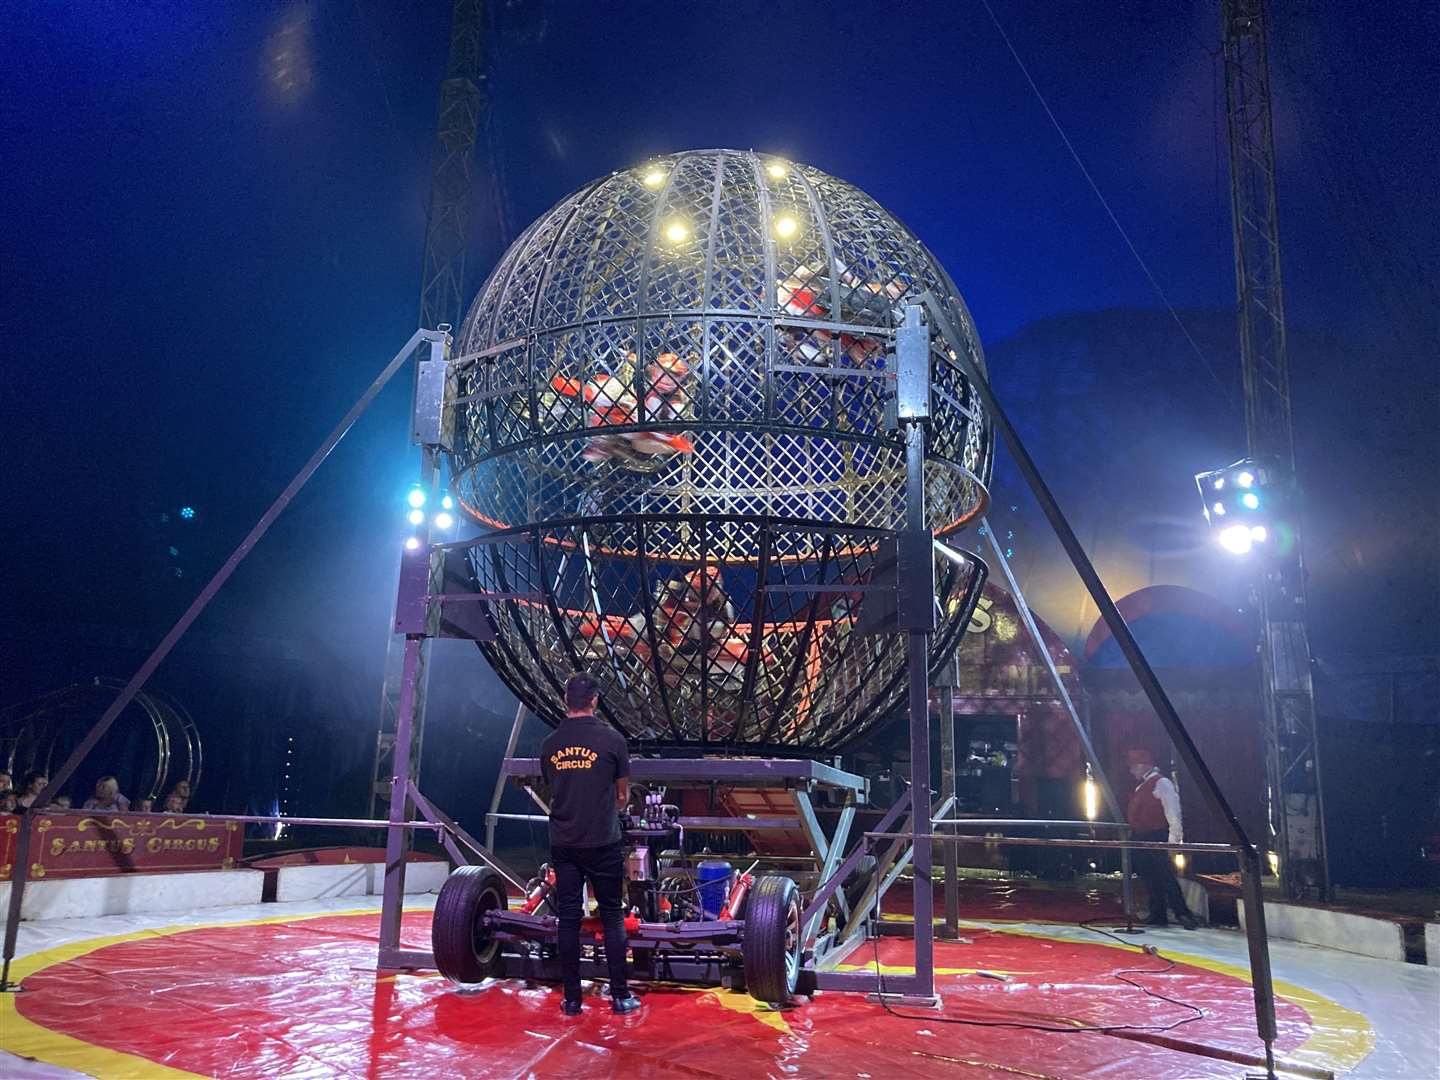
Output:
[[412, 598], [154, 660], [918, 648], [397, 835]]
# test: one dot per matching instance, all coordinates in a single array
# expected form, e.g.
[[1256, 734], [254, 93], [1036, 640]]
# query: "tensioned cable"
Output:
[[1080, 164]]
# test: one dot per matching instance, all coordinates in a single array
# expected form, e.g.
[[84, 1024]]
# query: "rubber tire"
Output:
[[772, 907], [464, 951]]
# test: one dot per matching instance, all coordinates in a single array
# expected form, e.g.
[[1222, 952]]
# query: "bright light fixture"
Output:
[[1092, 799], [654, 178], [412, 543], [1218, 509], [1179, 860], [444, 520], [416, 498], [187, 512], [676, 232], [786, 227], [1258, 533], [1250, 501], [447, 503], [417, 516], [1246, 479], [1236, 539], [1219, 483], [777, 171]]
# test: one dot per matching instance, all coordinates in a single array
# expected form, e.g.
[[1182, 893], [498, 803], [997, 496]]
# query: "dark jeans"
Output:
[[1158, 872], [604, 868]]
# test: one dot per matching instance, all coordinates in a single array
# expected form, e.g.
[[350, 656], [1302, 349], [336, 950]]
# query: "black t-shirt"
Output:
[[580, 762]]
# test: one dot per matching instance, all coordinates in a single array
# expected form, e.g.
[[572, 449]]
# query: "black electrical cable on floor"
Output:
[[1100, 1029]]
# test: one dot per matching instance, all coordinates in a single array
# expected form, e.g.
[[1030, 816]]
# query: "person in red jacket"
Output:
[[1154, 816]]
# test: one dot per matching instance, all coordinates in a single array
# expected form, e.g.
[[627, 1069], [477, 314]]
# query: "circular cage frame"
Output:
[[676, 415]]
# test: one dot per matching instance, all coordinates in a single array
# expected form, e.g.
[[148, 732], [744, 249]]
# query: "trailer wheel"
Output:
[[772, 940], [465, 951]]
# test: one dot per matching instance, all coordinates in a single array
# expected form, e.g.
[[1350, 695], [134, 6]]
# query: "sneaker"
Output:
[[622, 1005], [570, 1008]]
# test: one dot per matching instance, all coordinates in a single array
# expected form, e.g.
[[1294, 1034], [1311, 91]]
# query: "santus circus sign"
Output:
[[90, 844]]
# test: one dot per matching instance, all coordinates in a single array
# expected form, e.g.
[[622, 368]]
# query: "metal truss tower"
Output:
[[442, 299], [1292, 761]]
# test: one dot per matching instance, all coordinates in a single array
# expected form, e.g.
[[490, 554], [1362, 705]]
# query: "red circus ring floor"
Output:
[[296, 996]]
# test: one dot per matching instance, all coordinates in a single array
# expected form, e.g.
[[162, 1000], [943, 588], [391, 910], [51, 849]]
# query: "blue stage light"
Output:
[[416, 498], [417, 517], [187, 512], [447, 503], [1250, 501]]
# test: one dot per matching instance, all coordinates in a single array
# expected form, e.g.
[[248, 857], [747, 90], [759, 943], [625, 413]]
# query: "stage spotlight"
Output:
[[1218, 509], [654, 178], [1246, 479], [187, 512], [786, 227], [1258, 533], [1236, 539], [447, 503], [1179, 860], [412, 543], [417, 517], [676, 232], [1250, 501], [416, 498], [776, 171], [1219, 483], [444, 520]]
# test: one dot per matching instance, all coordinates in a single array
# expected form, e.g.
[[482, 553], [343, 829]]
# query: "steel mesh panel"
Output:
[[674, 390]]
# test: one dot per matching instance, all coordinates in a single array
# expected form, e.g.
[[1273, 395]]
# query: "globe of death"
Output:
[[676, 422]]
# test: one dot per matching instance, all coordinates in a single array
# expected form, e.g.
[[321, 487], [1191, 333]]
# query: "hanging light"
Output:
[[1091, 793], [677, 231], [654, 178], [786, 227], [777, 171]]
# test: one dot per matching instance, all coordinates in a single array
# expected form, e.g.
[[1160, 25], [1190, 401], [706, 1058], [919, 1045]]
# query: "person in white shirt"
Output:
[[1154, 816]]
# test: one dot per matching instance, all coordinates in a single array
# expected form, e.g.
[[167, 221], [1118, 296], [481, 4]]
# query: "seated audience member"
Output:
[[6, 784], [107, 796], [34, 784], [174, 804], [7, 803], [182, 789], [62, 802], [144, 806]]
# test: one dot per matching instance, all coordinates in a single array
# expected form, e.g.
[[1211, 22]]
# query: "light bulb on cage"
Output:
[[654, 178], [677, 231], [1091, 791], [416, 517], [786, 227], [412, 543], [777, 171], [1179, 860], [416, 498], [444, 520]]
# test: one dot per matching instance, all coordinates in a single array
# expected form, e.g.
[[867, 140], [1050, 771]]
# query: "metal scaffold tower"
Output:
[[1291, 753], [442, 299]]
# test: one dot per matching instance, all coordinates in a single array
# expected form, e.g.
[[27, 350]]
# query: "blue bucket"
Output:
[[713, 878]]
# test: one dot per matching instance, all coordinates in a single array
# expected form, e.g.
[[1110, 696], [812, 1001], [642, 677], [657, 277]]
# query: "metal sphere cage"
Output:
[[676, 418]]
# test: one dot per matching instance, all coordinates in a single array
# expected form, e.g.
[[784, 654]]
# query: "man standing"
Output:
[[1154, 816], [586, 766]]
